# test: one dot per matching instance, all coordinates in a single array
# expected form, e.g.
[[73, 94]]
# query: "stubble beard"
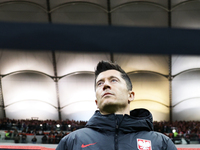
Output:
[[111, 107]]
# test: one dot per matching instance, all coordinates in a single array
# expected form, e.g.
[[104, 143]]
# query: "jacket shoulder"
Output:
[[164, 140], [68, 142]]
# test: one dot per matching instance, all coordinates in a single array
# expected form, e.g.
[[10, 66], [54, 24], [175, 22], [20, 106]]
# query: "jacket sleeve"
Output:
[[68, 142], [62, 144], [170, 145]]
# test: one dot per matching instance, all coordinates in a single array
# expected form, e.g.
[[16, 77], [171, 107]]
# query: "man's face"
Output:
[[112, 93]]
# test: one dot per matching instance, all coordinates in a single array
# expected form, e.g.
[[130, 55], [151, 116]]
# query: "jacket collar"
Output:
[[138, 120]]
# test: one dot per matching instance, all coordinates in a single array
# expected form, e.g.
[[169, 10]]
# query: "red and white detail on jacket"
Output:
[[144, 144]]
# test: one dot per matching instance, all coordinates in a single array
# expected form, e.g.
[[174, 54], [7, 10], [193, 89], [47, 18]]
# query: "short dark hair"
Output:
[[105, 65]]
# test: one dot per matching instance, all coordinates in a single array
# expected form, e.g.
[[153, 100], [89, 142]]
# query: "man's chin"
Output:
[[108, 102], [109, 108]]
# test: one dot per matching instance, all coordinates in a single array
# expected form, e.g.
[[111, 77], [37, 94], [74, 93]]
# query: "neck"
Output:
[[116, 111]]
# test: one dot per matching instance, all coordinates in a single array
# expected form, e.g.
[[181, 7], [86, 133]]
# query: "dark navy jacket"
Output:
[[117, 132]]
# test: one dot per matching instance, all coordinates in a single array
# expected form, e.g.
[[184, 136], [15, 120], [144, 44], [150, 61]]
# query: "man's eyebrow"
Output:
[[99, 80], [113, 77], [110, 77]]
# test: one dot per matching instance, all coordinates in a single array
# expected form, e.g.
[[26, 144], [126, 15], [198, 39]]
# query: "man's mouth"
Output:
[[107, 94]]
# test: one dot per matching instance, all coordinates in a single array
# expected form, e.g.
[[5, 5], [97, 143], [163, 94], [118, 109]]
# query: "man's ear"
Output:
[[131, 96], [96, 103]]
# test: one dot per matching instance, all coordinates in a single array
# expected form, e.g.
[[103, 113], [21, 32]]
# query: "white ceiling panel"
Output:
[[42, 3], [187, 110], [74, 62], [76, 88], [29, 109], [159, 112], [23, 12], [59, 3], [80, 13], [182, 63], [186, 15], [137, 14], [79, 111], [135, 62], [115, 3], [12, 61], [178, 2], [28, 86], [151, 87], [185, 86]]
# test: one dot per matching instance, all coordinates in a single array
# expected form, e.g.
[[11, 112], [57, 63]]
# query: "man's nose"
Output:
[[106, 86]]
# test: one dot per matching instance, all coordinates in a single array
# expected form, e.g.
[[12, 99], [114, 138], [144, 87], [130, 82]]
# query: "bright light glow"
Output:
[[69, 126], [72, 62], [186, 110], [36, 95], [150, 86], [76, 88], [155, 63], [28, 109], [173, 130], [31, 86], [58, 126], [183, 62], [26, 60], [186, 86], [73, 111]]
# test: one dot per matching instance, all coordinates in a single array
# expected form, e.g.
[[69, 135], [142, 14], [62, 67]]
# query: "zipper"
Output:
[[116, 133]]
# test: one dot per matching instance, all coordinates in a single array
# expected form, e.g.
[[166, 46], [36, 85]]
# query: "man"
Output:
[[8, 135], [114, 127]]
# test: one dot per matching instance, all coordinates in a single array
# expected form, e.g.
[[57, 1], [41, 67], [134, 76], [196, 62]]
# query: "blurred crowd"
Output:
[[51, 137], [189, 130], [52, 131], [30, 126]]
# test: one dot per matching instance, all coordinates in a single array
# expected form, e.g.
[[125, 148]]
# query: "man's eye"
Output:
[[99, 83], [114, 80]]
